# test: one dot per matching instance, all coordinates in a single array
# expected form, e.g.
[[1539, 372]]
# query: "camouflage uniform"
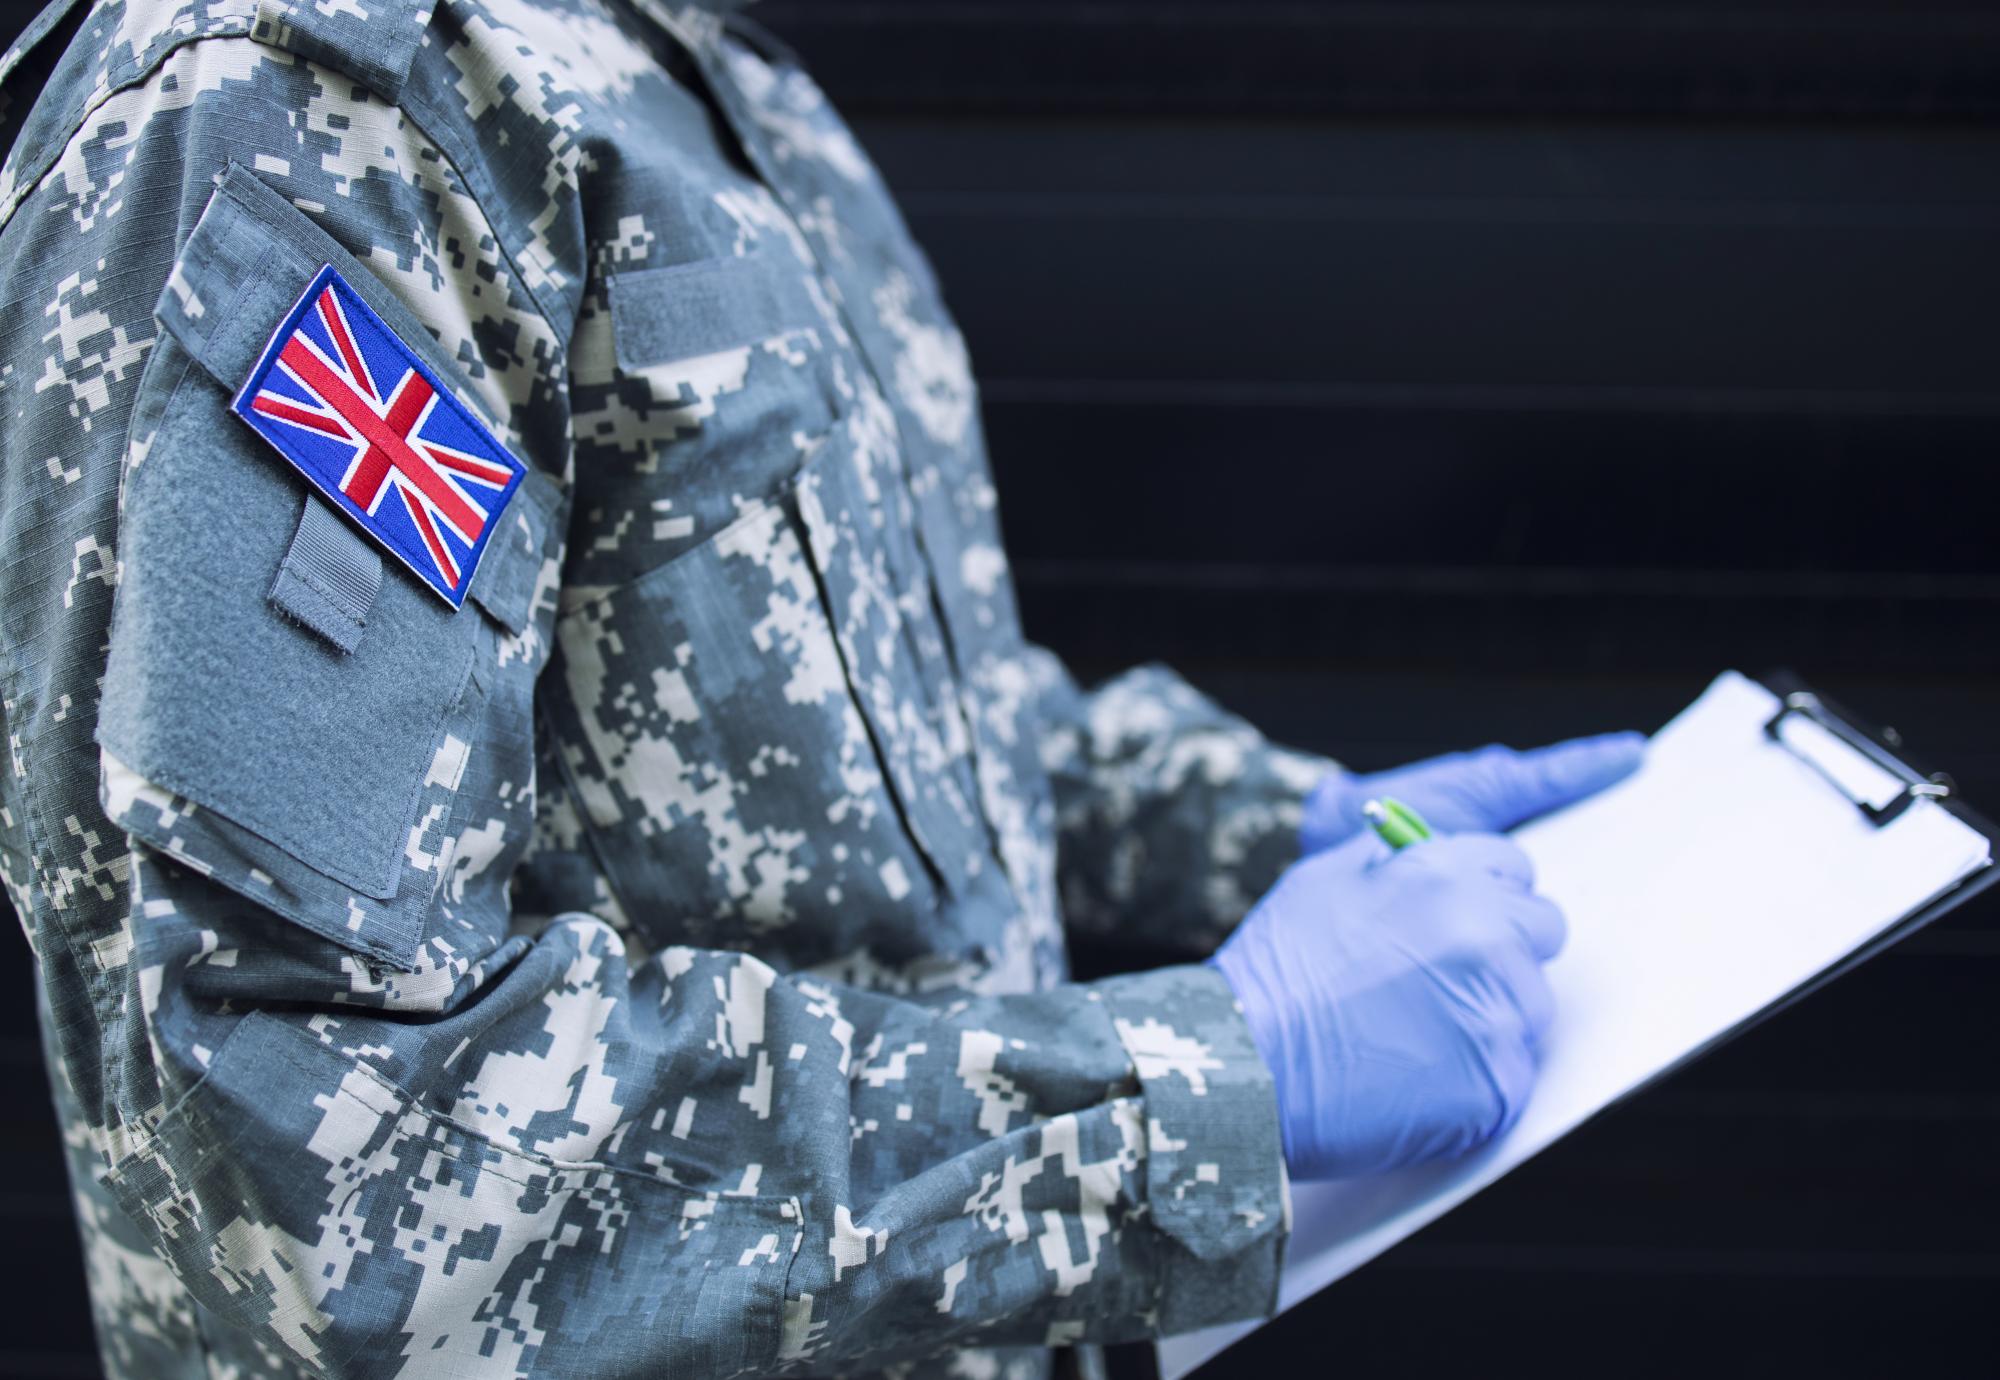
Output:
[[655, 966]]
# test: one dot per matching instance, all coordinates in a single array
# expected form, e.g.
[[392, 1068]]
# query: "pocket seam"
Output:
[[459, 1144], [782, 510], [752, 511], [296, 1046], [920, 841]]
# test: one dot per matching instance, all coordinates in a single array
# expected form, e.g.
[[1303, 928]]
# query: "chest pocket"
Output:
[[697, 388], [332, 780], [754, 744]]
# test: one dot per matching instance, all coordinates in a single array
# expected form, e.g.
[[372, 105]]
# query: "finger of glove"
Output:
[[1513, 1070], [1515, 787], [1451, 791], [1542, 923], [1477, 853], [1434, 787], [1326, 867], [1496, 787], [1532, 997]]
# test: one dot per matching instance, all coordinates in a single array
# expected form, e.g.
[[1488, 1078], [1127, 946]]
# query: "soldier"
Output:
[[541, 836]]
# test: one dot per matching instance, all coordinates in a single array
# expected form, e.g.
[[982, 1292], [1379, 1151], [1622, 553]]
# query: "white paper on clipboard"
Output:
[[1722, 876]]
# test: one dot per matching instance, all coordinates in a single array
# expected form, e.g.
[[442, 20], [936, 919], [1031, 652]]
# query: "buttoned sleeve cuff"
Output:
[[1215, 1178]]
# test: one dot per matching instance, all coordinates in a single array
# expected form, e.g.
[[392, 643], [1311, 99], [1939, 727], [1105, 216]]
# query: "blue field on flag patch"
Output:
[[355, 411]]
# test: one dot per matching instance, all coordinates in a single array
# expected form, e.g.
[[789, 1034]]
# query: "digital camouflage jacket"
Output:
[[655, 965]]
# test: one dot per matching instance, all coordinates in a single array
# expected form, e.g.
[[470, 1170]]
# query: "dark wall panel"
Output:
[[1422, 374], [1576, 394], [1694, 59], [1326, 264]]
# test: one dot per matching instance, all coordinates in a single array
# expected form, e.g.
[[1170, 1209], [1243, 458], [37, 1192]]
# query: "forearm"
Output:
[[694, 1163], [1173, 815]]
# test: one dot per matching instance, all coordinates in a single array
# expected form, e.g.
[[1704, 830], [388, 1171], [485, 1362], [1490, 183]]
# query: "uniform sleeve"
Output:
[[375, 1121], [1173, 815], [688, 1165]]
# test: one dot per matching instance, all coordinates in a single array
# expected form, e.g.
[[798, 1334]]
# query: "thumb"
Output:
[[1511, 787]]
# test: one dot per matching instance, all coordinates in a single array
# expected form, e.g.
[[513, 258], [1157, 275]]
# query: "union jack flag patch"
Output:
[[354, 409]]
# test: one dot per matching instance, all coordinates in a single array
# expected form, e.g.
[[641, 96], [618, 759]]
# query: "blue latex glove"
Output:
[[1397, 998], [1487, 791]]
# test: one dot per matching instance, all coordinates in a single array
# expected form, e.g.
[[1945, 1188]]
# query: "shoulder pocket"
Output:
[[318, 780]]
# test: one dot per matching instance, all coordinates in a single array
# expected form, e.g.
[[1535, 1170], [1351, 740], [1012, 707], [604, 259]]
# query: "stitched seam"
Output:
[[473, 177], [139, 73], [120, 79], [347, 608], [294, 1052], [315, 612]]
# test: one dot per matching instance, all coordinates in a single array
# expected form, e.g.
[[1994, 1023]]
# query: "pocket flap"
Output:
[[660, 315]]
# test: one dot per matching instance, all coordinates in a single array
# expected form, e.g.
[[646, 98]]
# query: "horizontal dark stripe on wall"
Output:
[[1529, 584], [1504, 621], [1452, 170], [1775, 58], [1840, 506], [1644, 400], [1371, 718], [1812, 307], [1803, 1264], [48, 1202], [1390, 1321], [80, 1364]]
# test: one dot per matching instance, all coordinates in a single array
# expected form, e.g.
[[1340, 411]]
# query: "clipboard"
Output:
[[1867, 766], [1884, 745]]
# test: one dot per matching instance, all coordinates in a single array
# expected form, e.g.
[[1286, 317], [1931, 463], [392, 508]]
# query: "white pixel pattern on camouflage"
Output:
[[663, 969]]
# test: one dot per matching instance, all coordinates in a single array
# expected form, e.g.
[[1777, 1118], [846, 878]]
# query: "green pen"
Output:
[[1397, 823]]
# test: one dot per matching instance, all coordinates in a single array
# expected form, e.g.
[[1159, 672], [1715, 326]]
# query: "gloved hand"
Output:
[[1487, 791], [1397, 998]]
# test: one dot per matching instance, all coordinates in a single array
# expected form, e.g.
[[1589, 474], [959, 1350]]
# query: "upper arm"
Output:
[[371, 795]]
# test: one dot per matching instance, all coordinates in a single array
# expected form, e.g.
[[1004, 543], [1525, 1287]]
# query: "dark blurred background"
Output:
[[1414, 375]]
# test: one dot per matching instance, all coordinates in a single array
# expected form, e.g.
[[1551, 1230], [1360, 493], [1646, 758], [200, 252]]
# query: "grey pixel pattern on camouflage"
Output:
[[657, 965]]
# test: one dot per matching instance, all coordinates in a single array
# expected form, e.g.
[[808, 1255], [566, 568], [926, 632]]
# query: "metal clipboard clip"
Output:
[[1879, 783]]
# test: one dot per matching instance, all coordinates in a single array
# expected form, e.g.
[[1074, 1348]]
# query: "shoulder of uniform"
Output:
[[373, 41], [120, 42], [75, 56]]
